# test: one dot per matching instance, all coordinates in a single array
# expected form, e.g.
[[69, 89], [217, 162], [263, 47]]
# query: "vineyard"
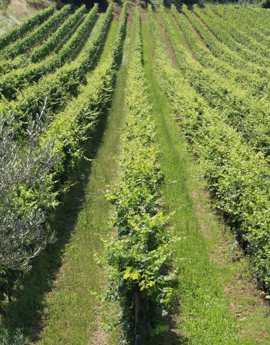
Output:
[[135, 181]]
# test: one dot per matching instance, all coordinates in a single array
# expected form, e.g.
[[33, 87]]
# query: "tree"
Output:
[[25, 191], [265, 4]]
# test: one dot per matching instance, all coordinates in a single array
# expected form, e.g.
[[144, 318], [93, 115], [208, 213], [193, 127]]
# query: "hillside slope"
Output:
[[17, 11]]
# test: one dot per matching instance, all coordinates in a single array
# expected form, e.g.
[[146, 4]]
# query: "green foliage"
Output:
[[4, 4], [35, 169], [238, 177], [79, 120], [59, 86], [20, 30], [12, 339], [33, 38], [265, 4], [25, 193], [53, 41], [177, 3], [26, 198], [236, 40], [139, 257], [204, 309], [26, 75], [242, 97], [103, 4], [228, 61]]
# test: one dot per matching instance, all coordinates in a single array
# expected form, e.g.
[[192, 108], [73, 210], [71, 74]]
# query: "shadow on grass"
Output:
[[173, 336], [28, 310]]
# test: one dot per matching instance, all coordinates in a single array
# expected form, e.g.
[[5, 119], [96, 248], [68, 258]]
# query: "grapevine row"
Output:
[[240, 36], [29, 41], [242, 78], [247, 114], [59, 86], [206, 58], [64, 139], [16, 79], [199, 285], [251, 18], [78, 121], [52, 42], [140, 252], [238, 178], [45, 48], [20, 30], [219, 49], [225, 37]]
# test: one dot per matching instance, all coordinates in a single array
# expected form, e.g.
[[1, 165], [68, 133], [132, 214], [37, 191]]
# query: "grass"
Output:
[[207, 276], [109, 40], [6, 23]]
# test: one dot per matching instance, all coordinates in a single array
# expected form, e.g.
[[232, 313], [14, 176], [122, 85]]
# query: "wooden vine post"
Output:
[[137, 311]]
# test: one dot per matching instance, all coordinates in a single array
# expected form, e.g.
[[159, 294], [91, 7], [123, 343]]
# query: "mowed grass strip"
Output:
[[75, 313], [205, 314]]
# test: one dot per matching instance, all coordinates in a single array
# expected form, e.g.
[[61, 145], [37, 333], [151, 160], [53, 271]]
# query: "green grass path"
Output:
[[204, 316]]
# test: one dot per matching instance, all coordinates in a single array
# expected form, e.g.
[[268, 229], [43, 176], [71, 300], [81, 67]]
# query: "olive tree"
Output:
[[25, 191]]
